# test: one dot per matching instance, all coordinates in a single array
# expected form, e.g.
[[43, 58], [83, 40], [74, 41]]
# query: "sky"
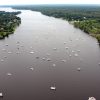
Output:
[[10, 2]]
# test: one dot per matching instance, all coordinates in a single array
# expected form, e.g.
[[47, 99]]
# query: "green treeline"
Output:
[[84, 17], [8, 22], [92, 27]]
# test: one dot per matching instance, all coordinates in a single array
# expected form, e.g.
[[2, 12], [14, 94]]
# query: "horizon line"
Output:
[[48, 4]]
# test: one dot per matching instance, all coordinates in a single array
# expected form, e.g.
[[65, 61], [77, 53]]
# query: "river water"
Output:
[[46, 52]]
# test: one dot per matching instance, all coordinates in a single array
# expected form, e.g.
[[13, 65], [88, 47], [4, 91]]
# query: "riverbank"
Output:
[[46, 52], [8, 23], [85, 17], [89, 25]]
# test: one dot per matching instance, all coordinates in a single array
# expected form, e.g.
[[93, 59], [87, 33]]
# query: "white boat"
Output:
[[53, 88], [92, 98], [1, 94]]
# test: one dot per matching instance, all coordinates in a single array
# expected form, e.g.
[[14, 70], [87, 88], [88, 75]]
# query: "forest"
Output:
[[84, 17], [8, 23]]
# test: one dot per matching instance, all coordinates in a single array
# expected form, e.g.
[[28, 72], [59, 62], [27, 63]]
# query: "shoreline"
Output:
[[9, 21]]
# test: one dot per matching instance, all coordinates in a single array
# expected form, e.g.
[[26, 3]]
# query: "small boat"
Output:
[[9, 74], [54, 65], [31, 52], [1, 94], [63, 60], [92, 98], [31, 68], [48, 59], [54, 48], [53, 88], [43, 58], [78, 69]]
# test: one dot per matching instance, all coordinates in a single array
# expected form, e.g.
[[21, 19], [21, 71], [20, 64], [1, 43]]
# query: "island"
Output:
[[84, 17], [8, 23]]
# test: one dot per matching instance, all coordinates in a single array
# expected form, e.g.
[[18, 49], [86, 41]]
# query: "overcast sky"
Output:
[[8, 2]]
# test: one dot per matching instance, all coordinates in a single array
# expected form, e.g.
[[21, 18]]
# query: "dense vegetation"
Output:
[[85, 17], [8, 22], [91, 27]]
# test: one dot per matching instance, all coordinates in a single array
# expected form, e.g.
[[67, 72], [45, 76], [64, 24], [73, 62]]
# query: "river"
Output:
[[45, 53]]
